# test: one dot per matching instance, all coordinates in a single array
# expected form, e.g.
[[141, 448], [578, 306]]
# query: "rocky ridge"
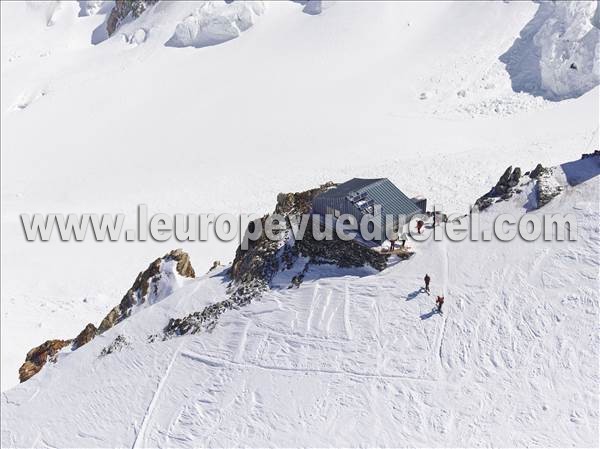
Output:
[[147, 286], [512, 181], [546, 185], [37, 357], [124, 9], [155, 283]]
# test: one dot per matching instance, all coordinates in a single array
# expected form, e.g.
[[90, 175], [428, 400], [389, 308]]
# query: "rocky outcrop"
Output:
[[546, 186], [85, 336], [38, 356], [149, 286], [596, 153], [216, 264], [542, 180], [345, 254], [265, 257], [153, 284], [260, 262], [195, 322], [503, 190], [124, 9], [538, 171], [118, 344]]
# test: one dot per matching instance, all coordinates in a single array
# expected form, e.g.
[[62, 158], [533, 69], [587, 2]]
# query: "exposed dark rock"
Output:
[[503, 189], [37, 357], [260, 261], [265, 257], [296, 281], [505, 177], [538, 171], [138, 292], [513, 180], [215, 265], [484, 202], [117, 345], [205, 320], [124, 9], [344, 254], [546, 188], [85, 336], [596, 153]]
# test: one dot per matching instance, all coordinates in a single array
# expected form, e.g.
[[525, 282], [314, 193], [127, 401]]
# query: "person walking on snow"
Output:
[[440, 303], [420, 224], [427, 279], [393, 239]]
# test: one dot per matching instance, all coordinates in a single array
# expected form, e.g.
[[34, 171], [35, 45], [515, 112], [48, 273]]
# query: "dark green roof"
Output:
[[355, 185], [375, 191]]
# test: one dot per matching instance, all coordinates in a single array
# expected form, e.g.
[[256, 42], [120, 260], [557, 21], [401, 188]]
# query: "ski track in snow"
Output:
[[216, 362], [347, 325], [140, 438]]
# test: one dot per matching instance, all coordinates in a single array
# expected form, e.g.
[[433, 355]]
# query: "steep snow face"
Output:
[[353, 357], [558, 55]]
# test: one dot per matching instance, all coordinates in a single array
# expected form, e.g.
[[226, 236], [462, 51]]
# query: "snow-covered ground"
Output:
[[352, 357], [282, 100]]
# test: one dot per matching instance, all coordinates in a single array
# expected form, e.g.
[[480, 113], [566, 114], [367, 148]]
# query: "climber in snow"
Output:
[[440, 303], [393, 239], [420, 224], [427, 280]]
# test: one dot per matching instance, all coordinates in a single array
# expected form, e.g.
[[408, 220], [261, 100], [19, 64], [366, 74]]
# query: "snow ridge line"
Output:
[[150, 409], [242, 344]]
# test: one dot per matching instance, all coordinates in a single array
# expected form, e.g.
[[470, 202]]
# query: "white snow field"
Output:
[[352, 357], [195, 107]]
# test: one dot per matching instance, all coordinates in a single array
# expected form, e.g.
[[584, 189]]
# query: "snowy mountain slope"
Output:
[[354, 357], [295, 100]]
